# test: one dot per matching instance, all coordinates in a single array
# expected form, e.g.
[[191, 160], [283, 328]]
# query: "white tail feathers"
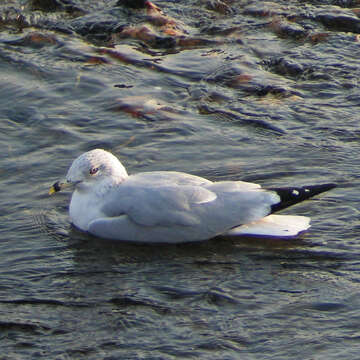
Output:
[[286, 226]]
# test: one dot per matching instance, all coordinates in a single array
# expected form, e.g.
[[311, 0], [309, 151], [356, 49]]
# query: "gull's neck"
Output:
[[118, 173], [102, 187]]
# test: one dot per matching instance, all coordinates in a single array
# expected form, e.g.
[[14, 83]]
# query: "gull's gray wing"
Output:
[[150, 209], [163, 178], [161, 205]]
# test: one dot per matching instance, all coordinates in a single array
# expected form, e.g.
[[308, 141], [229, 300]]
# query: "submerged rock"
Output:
[[338, 19], [222, 7], [133, 4], [54, 5]]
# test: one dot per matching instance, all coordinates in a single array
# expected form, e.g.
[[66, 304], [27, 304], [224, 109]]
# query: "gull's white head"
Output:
[[93, 167], [95, 164]]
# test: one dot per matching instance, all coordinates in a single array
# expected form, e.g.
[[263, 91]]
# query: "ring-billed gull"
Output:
[[174, 207]]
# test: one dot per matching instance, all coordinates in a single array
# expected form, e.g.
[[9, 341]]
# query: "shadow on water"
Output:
[[218, 251]]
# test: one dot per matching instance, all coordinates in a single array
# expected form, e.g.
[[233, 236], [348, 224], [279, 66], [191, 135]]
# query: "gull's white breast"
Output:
[[83, 209]]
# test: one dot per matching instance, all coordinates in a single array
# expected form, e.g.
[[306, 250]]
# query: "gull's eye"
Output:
[[93, 171]]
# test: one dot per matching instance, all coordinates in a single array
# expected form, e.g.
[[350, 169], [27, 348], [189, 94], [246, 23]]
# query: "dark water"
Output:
[[251, 90]]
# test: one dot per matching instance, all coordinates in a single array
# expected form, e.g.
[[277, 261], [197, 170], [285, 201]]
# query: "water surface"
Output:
[[250, 90]]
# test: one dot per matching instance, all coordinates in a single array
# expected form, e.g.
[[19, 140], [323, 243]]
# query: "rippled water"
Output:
[[250, 90]]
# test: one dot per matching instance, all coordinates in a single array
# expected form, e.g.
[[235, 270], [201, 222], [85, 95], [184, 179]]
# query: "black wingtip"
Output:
[[293, 195]]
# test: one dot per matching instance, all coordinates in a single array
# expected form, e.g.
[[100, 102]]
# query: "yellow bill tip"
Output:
[[55, 188]]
